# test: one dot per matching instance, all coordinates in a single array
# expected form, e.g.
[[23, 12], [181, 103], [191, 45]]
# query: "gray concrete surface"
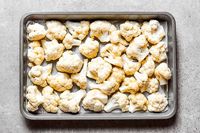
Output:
[[186, 13]]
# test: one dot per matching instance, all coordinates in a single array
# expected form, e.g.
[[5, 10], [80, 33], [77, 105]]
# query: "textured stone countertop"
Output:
[[186, 13]]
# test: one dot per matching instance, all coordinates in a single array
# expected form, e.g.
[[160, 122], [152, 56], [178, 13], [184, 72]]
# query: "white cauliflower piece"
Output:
[[117, 101], [116, 38], [69, 102], [60, 81], [56, 30], [130, 66], [153, 31], [114, 60], [148, 66], [117, 74], [80, 79], [101, 30], [53, 50], [142, 79], [69, 62], [35, 53], [99, 69], [38, 74], [78, 29], [51, 100], [129, 85], [137, 102], [112, 49], [36, 32], [95, 101], [69, 41], [159, 52], [130, 29], [34, 98], [163, 73], [152, 85], [90, 48], [138, 48], [157, 102]]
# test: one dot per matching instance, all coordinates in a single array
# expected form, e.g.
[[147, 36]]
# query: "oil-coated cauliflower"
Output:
[[148, 66], [36, 32], [117, 101], [158, 52], [117, 74], [95, 101], [112, 49], [114, 60], [69, 41], [69, 102], [60, 81], [51, 100], [78, 29], [163, 73], [130, 29], [56, 30], [138, 48], [130, 66], [99, 69], [34, 98], [35, 53], [137, 102], [90, 48], [53, 50], [116, 38], [153, 31], [38, 74], [142, 79], [129, 85], [69, 62], [152, 85], [80, 79], [101, 30], [157, 102]]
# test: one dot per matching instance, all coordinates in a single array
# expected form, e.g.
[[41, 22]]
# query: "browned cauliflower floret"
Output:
[[38, 74], [142, 79], [129, 85], [116, 38], [69, 41], [130, 29], [60, 81], [36, 32], [90, 48], [69, 62], [148, 66], [56, 30], [152, 85], [78, 29]]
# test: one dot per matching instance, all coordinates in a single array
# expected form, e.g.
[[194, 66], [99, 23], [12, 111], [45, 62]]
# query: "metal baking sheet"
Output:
[[166, 19]]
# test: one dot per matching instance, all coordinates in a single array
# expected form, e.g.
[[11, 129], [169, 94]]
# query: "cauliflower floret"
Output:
[[38, 74], [116, 38], [60, 82], [99, 69], [112, 49], [69, 41], [137, 102], [35, 53], [129, 85], [157, 102], [130, 29], [130, 66], [80, 79], [101, 30], [148, 66], [53, 50], [163, 73], [51, 100], [117, 101], [34, 98], [153, 31], [158, 52], [138, 48], [36, 32], [78, 29], [69, 102], [142, 79], [95, 100], [90, 48], [56, 30], [114, 60], [69, 62], [117, 74], [152, 85]]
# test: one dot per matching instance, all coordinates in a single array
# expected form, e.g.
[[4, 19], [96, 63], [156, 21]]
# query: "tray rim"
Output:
[[100, 117]]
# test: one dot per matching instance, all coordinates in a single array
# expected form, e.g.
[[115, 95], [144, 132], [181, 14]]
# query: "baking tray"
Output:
[[171, 90]]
